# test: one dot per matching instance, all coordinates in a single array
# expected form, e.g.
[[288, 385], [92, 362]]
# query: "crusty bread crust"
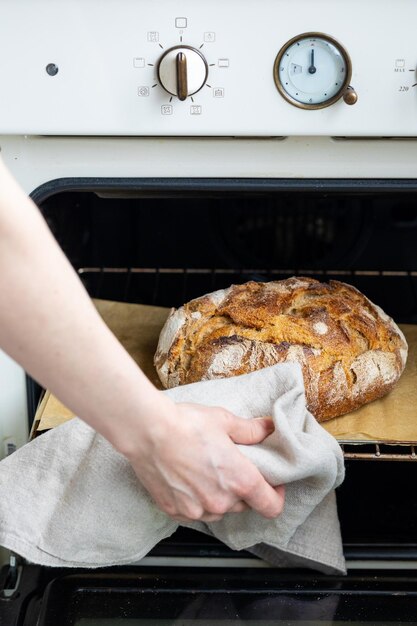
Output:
[[350, 351]]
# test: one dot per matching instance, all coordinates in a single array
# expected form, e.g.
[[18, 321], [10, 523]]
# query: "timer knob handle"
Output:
[[182, 71], [350, 96]]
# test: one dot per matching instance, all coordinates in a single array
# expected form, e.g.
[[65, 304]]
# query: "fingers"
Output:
[[239, 507], [249, 431], [266, 500], [255, 492], [204, 518], [259, 495], [201, 482]]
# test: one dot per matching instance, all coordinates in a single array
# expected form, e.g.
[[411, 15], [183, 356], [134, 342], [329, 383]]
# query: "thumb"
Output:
[[250, 431]]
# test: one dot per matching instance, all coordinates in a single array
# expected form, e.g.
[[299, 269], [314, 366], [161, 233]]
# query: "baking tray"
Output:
[[383, 429]]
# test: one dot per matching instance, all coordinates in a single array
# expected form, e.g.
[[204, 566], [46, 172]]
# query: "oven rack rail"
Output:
[[172, 286], [183, 278], [379, 451], [266, 271]]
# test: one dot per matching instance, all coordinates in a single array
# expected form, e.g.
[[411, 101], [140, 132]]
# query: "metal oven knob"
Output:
[[182, 71]]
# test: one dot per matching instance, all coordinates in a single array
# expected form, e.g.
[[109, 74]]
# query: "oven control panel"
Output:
[[208, 68]]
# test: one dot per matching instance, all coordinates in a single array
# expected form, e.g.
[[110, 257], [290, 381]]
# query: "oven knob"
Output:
[[182, 71]]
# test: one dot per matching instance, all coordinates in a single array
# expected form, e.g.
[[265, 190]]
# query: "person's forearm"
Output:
[[184, 455], [50, 326]]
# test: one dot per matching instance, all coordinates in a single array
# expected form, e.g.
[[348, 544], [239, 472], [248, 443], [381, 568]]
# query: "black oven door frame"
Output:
[[364, 508], [51, 595], [254, 185], [138, 596]]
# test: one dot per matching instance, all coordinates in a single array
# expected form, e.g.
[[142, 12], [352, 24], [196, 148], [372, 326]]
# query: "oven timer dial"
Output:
[[313, 71], [182, 71]]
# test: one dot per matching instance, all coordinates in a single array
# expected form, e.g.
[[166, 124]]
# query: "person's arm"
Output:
[[184, 455]]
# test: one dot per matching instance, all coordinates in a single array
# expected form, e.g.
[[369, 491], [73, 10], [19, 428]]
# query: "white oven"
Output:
[[128, 121], [89, 90]]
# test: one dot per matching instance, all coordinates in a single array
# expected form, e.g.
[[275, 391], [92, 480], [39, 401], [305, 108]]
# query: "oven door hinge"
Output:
[[10, 577]]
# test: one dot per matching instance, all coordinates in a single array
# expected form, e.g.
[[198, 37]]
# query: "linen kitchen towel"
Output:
[[69, 499]]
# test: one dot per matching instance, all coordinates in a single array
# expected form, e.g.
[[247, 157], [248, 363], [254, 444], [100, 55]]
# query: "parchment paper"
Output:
[[391, 419]]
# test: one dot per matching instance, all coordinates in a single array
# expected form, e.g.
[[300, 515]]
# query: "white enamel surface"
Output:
[[107, 55], [37, 160], [13, 408]]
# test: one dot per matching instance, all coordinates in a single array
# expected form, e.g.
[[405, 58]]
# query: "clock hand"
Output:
[[312, 68]]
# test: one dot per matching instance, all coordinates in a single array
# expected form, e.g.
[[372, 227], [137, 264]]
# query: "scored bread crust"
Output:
[[349, 350]]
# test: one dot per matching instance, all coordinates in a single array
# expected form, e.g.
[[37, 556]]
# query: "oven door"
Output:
[[164, 242], [212, 597]]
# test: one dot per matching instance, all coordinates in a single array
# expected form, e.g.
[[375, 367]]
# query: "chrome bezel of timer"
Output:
[[317, 105]]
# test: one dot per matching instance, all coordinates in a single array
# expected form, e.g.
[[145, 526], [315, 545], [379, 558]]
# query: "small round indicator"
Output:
[[312, 71], [52, 69]]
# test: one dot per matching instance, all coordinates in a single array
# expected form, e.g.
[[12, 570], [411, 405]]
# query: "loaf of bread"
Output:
[[349, 350]]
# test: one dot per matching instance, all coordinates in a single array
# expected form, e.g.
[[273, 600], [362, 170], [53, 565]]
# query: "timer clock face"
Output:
[[312, 71]]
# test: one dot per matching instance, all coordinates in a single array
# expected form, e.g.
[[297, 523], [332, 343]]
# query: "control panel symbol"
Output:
[[399, 66], [138, 62], [218, 92], [166, 109], [153, 36], [143, 92], [181, 22], [223, 63], [209, 37], [195, 109]]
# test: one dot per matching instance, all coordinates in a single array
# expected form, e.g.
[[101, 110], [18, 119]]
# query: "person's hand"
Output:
[[184, 455], [193, 470]]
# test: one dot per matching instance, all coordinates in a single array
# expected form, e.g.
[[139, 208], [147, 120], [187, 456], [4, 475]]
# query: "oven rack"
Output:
[[394, 290], [379, 451], [170, 286], [267, 271]]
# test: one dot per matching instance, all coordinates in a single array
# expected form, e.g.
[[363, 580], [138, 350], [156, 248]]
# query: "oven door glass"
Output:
[[219, 599]]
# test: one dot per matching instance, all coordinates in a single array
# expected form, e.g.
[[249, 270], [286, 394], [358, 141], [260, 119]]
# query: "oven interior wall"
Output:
[[169, 247], [367, 240]]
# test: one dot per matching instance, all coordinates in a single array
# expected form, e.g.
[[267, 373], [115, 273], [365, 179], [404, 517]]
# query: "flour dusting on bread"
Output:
[[349, 350]]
